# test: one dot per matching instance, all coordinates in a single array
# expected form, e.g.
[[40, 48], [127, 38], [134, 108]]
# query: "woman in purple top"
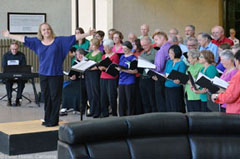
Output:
[[100, 36], [227, 60], [51, 51]]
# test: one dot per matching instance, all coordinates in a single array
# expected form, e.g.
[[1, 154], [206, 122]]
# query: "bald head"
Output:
[[144, 30], [217, 32], [132, 37]]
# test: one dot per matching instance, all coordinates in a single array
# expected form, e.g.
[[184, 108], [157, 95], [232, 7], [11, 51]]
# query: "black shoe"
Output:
[[89, 115], [17, 103], [51, 125], [44, 123], [9, 103], [95, 116]]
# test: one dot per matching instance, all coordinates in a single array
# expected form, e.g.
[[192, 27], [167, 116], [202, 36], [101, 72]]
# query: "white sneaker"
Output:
[[63, 110]]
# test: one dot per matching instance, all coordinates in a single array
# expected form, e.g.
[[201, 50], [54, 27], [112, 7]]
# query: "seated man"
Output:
[[14, 57]]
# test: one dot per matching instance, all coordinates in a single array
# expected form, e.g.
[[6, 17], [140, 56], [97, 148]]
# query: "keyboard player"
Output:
[[14, 57]]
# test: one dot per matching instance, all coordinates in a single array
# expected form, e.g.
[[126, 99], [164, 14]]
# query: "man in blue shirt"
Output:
[[205, 43]]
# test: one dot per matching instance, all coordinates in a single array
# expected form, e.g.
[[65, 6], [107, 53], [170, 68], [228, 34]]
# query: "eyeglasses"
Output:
[[201, 56]]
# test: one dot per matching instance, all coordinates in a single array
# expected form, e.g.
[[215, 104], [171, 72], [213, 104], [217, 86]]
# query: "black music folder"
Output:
[[182, 77], [185, 54], [213, 85], [105, 62], [160, 76], [191, 79], [111, 69]]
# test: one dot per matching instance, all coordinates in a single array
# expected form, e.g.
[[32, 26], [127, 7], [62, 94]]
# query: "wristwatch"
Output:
[[216, 97]]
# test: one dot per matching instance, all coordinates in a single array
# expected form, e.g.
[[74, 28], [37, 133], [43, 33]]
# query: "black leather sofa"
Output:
[[153, 136]]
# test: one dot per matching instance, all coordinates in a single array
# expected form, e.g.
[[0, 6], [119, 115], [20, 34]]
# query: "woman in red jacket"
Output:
[[231, 96]]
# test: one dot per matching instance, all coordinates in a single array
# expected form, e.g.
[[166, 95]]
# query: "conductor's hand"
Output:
[[73, 77], [5, 33], [176, 81], [91, 31], [154, 78], [102, 68]]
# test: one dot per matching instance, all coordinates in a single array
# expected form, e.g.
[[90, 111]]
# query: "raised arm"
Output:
[[84, 35], [6, 34]]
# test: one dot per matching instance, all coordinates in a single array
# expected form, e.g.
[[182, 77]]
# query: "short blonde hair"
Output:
[[39, 34], [95, 42]]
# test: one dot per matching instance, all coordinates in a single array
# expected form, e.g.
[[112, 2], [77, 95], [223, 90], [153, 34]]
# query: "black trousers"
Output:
[[51, 86], [74, 95], [160, 95], [147, 87], [138, 99], [175, 99], [20, 87], [126, 99], [108, 96], [194, 105], [92, 79], [204, 107]]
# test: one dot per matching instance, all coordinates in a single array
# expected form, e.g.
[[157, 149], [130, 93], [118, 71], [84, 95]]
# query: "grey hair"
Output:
[[194, 53], [146, 38], [227, 54], [206, 36], [175, 39], [109, 43], [191, 26], [193, 39]]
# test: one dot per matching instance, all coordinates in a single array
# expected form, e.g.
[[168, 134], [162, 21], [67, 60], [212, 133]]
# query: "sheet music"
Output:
[[12, 62], [142, 63]]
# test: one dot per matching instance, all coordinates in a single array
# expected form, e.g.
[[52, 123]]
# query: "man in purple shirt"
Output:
[[161, 58]]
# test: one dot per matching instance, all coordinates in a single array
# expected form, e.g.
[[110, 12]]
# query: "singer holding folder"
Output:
[[161, 58], [173, 89], [193, 99], [51, 51], [231, 96], [108, 83], [206, 58], [92, 78], [127, 81]]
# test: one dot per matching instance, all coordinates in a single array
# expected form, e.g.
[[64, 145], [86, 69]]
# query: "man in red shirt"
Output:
[[219, 37]]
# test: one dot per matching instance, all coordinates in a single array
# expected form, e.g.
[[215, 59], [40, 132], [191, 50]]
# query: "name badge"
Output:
[[13, 62]]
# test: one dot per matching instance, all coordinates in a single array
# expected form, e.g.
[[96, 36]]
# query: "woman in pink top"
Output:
[[231, 96], [117, 39], [227, 59], [108, 83]]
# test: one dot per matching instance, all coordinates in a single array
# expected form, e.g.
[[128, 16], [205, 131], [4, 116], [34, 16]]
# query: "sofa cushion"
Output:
[[215, 146], [115, 149], [160, 147], [214, 135], [213, 123], [93, 130], [157, 123], [71, 151]]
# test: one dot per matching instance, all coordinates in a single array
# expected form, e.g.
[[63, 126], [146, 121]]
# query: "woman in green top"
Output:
[[92, 78], [193, 99], [207, 60], [81, 43]]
